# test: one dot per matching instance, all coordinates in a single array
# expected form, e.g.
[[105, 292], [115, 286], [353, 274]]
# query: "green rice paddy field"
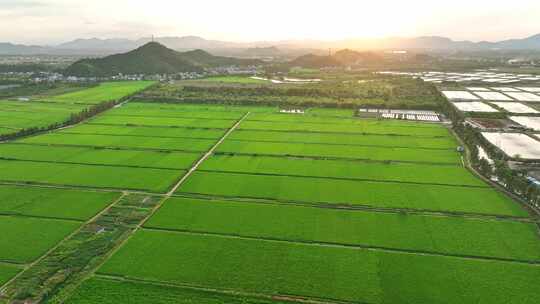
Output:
[[156, 132], [89, 176], [318, 206], [119, 141], [341, 151], [8, 271], [53, 203], [447, 142], [324, 191], [107, 91], [97, 156], [356, 126], [449, 235], [329, 272], [164, 121], [345, 169], [24, 238], [17, 115], [33, 220], [107, 291]]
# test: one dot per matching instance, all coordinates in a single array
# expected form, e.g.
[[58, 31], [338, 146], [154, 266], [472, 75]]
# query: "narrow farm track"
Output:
[[207, 155], [341, 245]]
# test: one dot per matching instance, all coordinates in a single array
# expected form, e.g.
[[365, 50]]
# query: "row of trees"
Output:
[[514, 181]]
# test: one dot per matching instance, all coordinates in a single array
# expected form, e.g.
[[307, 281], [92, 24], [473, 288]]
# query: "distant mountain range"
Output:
[[152, 58], [110, 46]]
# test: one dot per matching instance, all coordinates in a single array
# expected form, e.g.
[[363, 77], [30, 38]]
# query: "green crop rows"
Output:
[[320, 206], [346, 139], [24, 238], [53, 203], [449, 235], [107, 91], [158, 143], [402, 172], [104, 291], [8, 271], [329, 272], [341, 151], [323, 191]]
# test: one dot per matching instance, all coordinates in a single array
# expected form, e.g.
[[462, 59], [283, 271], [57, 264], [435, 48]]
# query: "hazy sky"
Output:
[[55, 21]]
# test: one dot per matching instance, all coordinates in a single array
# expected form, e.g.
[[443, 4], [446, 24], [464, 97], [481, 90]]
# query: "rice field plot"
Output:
[[401, 172], [53, 203], [7, 272], [107, 91], [123, 142], [156, 132], [314, 271], [160, 107], [341, 151], [107, 291], [39, 107], [4, 131], [93, 156], [445, 142], [350, 121], [163, 122], [436, 234], [331, 192], [24, 238], [361, 127], [149, 179], [141, 109], [25, 120]]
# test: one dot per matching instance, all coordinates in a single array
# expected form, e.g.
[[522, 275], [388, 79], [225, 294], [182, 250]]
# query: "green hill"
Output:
[[344, 57], [152, 58]]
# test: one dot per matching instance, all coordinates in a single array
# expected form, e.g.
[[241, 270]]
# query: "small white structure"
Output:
[[292, 111], [460, 95], [506, 89], [515, 144], [534, 90], [477, 89], [493, 96], [515, 107], [474, 106], [524, 96], [529, 122]]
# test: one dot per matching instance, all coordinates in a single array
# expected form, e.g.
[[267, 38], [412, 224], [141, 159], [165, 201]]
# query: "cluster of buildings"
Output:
[[40, 77]]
